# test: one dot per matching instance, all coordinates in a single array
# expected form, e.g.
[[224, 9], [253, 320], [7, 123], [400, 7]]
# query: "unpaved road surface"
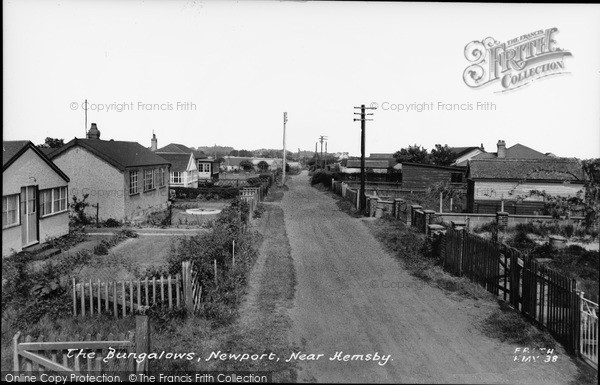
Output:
[[352, 296]]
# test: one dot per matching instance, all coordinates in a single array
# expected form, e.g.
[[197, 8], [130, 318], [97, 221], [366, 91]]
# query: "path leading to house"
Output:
[[353, 297]]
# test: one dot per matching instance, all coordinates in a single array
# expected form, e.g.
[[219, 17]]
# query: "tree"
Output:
[[246, 165], [52, 143], [414, 154], [441, 155], [243, 153], [263, 166]]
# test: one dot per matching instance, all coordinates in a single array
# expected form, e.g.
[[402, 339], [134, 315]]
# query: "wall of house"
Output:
[[420, 178], [28, 170], [507, 190], [93, 176], [202, 174], [138, 206], [54, 226], [490, 196]]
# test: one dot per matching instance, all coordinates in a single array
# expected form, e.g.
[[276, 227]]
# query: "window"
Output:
[[53, 201], [456, 177], [10, 210], [161, 177], [204, 167], [176, 177], [133, 182], [148, 180]]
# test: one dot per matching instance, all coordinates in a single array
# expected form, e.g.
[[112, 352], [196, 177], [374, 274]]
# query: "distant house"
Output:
[[517, 151], [183, 172], [125, 179], [375, 165], [207, 167], [462, 154], [34, 197], [418, 176], [493, 181]]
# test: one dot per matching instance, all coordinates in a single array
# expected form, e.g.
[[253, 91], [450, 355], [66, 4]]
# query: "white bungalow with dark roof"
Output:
[[34, 197], [126, 180]]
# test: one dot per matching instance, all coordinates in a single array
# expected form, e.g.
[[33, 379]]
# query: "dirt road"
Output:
[[353, 297]]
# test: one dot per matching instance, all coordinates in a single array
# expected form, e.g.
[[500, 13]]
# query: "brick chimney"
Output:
[[501, 149], [93, 133], [154, 143]]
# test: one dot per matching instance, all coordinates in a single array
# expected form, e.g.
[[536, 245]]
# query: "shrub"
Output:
[[111, 222], [226, 192], [216, 245], [323, 177]]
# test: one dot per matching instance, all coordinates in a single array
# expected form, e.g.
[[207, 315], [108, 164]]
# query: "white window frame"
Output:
[[58, 197], [179, 177], [162, 177], [148, 176], [134, 187], [17, 210]]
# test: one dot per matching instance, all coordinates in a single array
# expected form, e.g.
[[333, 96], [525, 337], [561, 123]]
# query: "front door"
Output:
[[29, 215]]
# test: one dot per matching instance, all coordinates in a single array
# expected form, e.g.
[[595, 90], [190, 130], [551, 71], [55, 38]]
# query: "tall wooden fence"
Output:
[[546, 297]]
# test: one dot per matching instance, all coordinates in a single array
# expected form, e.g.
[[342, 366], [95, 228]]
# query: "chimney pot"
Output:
[[93, 133], [153, 142], [501, 149]]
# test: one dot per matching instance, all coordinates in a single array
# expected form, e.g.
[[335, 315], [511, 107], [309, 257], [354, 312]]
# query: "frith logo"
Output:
[[515, 63]]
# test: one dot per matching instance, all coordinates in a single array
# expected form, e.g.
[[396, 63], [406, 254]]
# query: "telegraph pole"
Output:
[[362, 119], [285, 119], [85, 128], [322, 138]]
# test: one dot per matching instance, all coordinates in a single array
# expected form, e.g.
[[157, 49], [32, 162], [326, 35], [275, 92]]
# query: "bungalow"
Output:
[[496, 183], [125, 179], [34, 197], [206, 167], [184, 172]]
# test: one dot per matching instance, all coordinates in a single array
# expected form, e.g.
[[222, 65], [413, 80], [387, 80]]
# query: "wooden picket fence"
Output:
[[121, 298], [548, 298], [51, 354], [126, 297]]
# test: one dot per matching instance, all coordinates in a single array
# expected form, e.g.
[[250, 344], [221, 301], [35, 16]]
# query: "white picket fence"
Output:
[[588, 346]]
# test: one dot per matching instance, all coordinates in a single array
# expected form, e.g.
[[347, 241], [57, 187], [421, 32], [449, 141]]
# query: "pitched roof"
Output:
[[12, 150], [517, 151], [176, 148], [551, 169], [371, 163], [119, 154], [459, 151], [427, 165], [179, 162]]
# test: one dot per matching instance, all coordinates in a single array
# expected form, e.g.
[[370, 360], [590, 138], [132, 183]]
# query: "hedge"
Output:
[[226, 192]]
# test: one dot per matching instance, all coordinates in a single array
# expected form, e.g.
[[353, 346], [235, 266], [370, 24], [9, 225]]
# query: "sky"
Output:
[[205, 72]]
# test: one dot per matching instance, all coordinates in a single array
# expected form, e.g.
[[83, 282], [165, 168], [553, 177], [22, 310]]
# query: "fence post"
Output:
[[411, 217], [142, 341], [186, 277], [16, 356]]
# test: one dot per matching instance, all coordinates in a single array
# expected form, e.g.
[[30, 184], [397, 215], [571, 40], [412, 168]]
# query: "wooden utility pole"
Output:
[[322, 138], [285, 119], [85, 108], [362, 119]]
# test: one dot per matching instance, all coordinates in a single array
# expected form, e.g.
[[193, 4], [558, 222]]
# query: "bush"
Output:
[[216, 245], [110, 222], [323, 177], [226, 192]]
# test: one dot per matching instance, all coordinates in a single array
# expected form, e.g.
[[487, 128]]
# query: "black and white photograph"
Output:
[[208, 191]]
